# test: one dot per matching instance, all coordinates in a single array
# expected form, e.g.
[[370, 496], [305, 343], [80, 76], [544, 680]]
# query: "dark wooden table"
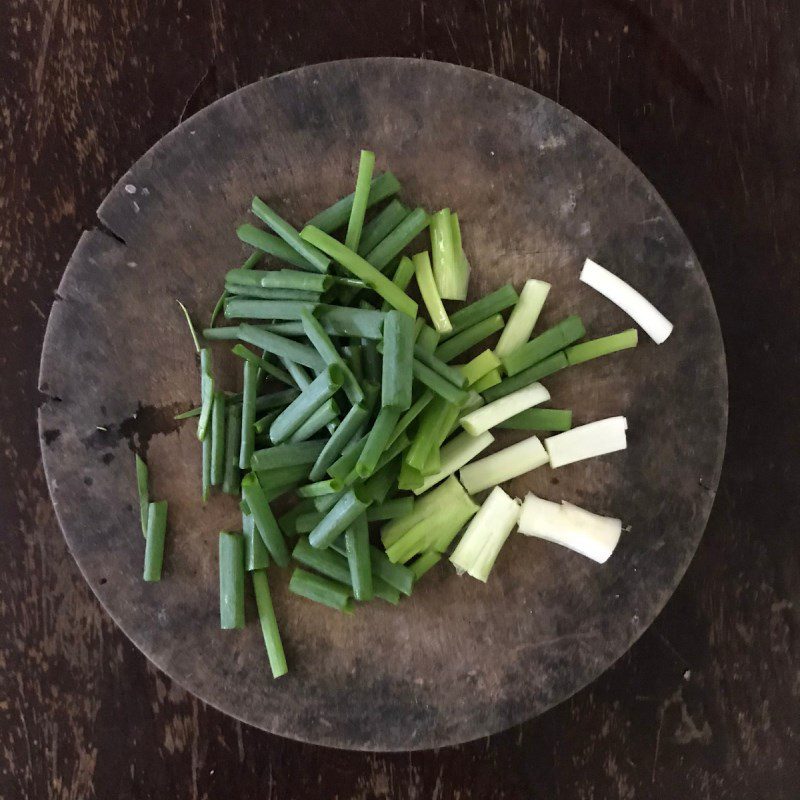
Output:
[[705, 99]]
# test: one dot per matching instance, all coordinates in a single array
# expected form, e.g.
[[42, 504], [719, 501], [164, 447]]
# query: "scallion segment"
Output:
[[332, 218], [322, 388], [538, 371], [265, 520], [456, 345], [154, 540], [269, 624], [405, 233], [321, 590], [595, 348], [454, 455], [357, 548], [337, 520], [430, 292], [398, 356], [587, 441], [523, 318], [546, 344], [482, 309], [503, 465], [377, 229], [540, 419], [231, 580], [486, 534], [492, 414], [142, 490], [355, 223], [272, 245]]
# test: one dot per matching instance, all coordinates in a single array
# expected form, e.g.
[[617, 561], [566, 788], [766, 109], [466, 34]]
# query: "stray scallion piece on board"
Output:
[[358, 450]]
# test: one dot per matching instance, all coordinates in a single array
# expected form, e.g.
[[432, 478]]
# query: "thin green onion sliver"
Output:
[[206, 393], [484, 308], [595, 348], [218, 439], [270, 369], [437, 384], [335, 216], [540, 419], [538, 371], [355, 223], [430, 293], [356, 539], [469, 337], [233, 442], [272, 245], [142, 491], [265, 520], [281, 346], [343, 434], [400, 237]]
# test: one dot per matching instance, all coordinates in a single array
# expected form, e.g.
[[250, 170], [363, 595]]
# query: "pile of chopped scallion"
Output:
[[354, 406]]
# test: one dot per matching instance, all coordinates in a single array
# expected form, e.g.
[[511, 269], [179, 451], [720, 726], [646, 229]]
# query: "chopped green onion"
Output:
[[540, 419], [280, 279], [531, 375], [586, 533], [447, 283], [322, 388], [321, 590], [416, 409], [218, 439], [256, 555], [399, 238], [391, 509], [429, 292], [595, 348], [355, 224], [424, 563], [239, 293], [486, 534], [354, 263], [154, 544], [141, 488], [427, 338], [343, 434], [270, 369], [377, 440], [451, 374], [337, 520], [281, 347], [523, 318], [381, 226], [486, 417], [503, 465], [289, 235], [398, 355], [233, 430], [437, 384], [269, 625], [454, 455], [328, 412], [231, 580], [402, 276], [461, 268], [335, 216], [244, 308], [272, 245], [487, 381], [587, 441], [267, 526], [480, 366], [643, 312], [357, 548], [484, 308], [546, 344], [330, 355], [456, 345]]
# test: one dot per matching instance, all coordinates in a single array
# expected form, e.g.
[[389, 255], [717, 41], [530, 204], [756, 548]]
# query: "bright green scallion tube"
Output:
[[256, 555], [272, 245], [246, 308], [381, 226], [330, 355], [322, 388], [218, 439], [456, 345], [335, 216], [361, 268], [333, 448], [538, 371], [281, 346], [437, 384], [154, 546], [264, 365], [231, 580], [321, 590], [540, 419], [398, 356], [424, 563], [269, 624], [484, 308], [280, 279], [356, 539], [595, 348], [355, 224], [328, 412], [402, 276], [265, 520], [451, 374], [430, 293], [289, 235], [337, 520], [545, 344], [233, 426], [377, 440], [287, 455], [405, 233], [246, 429], [391, 509]]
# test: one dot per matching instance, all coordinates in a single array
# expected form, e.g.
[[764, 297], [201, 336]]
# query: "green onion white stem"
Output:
[[641, 310], [486, 534], [586, 533], [504, 465], [587, 441], [454, 455], [486, 417], [523, 318]]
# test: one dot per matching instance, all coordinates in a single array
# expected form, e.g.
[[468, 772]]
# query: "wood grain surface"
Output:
[[704, 99]]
